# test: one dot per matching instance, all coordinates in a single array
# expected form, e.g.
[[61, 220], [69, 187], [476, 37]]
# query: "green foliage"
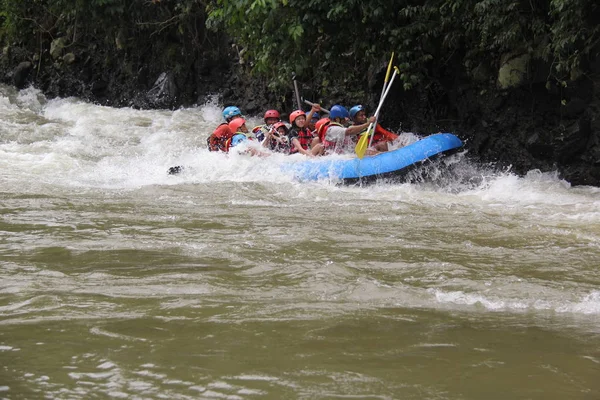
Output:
[[126, 32], [340, 39], [575, 32], [99, 18], [326, 42]]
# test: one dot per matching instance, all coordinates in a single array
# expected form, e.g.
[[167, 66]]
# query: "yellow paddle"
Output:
[[363, 143], [360, 151], [365, 140], [387, 75]]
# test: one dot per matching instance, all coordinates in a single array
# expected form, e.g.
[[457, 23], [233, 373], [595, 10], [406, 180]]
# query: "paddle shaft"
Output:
[[385, 82], [387, 90], [297, 92], [312, 104]]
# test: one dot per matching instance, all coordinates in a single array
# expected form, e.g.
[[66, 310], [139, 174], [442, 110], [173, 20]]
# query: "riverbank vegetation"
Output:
[[330, 42]]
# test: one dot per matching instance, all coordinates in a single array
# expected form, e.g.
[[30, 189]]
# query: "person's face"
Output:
[[360, 117], [281, 130], [244, 128], [271, 120], [300, 121]]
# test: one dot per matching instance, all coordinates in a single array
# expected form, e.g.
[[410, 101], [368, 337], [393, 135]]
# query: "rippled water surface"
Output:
[[233, 280]]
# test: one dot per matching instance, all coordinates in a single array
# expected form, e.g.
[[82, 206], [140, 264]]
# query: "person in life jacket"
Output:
[[320, 129], [242, 135], [238, 126], [336, 136], [382, 138], [301, 137], [312, 125], [217, 140], [276, 138], [271, 117]]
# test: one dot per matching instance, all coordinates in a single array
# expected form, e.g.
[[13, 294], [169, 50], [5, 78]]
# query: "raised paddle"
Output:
[[361, 146], [365, 140], [297, 92], [312, 104], [385, 82]]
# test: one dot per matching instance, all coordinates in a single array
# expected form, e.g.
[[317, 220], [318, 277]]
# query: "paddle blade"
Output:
[[389, 70], [361, 146]]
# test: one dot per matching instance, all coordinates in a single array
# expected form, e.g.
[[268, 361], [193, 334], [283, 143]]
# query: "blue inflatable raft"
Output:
[[382, 165]]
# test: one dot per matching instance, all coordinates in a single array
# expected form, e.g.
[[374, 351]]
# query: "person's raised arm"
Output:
[[313, 109], [356, 129]]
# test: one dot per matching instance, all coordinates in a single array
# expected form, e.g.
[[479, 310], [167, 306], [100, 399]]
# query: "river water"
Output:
[[234, 281]]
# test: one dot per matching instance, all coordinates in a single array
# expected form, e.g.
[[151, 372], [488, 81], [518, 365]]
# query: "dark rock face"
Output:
[[536, 125], [21, 73]]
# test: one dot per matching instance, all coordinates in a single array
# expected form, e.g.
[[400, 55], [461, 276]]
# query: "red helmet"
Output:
[[235, 124], [278, 125], [295, 115], [272, 114]]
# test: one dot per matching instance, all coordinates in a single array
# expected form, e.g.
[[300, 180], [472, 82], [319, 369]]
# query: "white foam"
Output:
[[588, 305], [76, 144]]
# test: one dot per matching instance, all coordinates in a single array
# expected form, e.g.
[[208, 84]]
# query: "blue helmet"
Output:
[[338, 111], [315, 116], [354, 110], [230, 112], [237, 139]]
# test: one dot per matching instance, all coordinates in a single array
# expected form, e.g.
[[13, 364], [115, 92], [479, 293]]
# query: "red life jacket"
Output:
[[217, 141], [381, 135], [389, 136], [305, 138]]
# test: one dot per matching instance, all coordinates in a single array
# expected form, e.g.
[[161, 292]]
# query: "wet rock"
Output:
[[164, 91], [574, 141], [99, 87], [21, 73], [175, 170], [581, 174], [540, 146], [513, 72]]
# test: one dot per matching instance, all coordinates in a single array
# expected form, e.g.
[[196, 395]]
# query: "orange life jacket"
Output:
[[217, 141], [322, 131]]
